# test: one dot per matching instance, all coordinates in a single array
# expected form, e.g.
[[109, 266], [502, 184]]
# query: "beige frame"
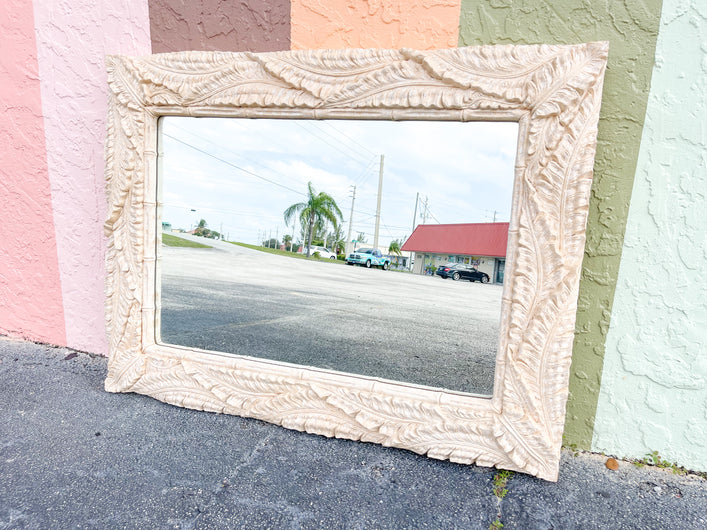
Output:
[[553, 92]]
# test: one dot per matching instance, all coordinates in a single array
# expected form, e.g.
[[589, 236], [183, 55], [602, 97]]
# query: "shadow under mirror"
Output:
[[408, 223]]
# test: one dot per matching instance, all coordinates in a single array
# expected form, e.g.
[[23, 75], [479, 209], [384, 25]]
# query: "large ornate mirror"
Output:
[[193, 323], [227, 283]]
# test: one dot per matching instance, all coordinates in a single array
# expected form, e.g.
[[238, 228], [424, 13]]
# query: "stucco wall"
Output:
[[72, 40], [223, 25], [420, 24], [631, 27], [30, 292], [52, 192], [654, 387]]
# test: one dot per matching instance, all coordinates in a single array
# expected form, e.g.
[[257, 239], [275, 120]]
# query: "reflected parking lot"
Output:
[[386, 324]]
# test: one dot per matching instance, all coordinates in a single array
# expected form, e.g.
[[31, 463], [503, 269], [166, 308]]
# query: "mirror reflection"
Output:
[[368, 247]]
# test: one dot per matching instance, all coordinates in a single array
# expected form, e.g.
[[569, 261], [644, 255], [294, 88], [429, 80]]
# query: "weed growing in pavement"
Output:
[[574, 449], [651, 459], [654, 459], [500, 481]]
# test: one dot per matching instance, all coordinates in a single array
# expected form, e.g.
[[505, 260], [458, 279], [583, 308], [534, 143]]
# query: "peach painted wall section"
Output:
[[30, 293], [419, 24], [72, 41]]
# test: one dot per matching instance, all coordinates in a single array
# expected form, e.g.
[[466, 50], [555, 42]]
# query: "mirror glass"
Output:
[[407, 254]]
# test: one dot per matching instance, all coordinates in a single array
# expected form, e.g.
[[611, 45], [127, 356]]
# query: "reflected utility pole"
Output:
[[414, 222], [414, 215], [378, 207], [294, 231], [353, 199], [488, 214]]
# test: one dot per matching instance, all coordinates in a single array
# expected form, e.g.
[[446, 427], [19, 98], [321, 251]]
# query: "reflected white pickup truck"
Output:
[[368, 257]]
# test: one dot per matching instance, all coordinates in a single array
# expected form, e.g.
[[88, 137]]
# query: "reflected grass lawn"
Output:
[[174, 241], [285, 253]]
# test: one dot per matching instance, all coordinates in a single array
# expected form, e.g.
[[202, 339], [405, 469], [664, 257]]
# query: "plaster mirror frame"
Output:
[[553, 92]]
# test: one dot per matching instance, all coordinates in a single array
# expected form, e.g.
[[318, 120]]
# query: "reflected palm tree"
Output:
[[394, 248], [318, 208], [338, 241]]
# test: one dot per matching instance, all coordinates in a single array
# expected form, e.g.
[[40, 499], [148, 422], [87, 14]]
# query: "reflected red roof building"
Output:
[[470, 239]]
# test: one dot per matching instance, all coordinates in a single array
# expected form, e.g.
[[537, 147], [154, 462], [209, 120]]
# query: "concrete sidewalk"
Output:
[[75, 456]]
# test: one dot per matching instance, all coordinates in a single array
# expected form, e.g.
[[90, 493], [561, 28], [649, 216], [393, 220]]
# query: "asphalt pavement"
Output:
[[75, 456]]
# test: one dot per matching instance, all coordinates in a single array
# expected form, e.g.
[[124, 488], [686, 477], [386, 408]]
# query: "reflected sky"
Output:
[[241, 174]]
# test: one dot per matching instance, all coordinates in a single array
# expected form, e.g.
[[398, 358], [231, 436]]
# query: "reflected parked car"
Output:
[[368, 257], [323, 252], [460, 271]]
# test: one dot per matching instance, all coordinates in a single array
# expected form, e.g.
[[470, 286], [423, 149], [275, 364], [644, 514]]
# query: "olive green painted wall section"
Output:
[[631, 27]]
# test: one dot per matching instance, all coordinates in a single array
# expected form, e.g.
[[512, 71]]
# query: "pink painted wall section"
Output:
[[72, 41], [420, 24], [30, 293]]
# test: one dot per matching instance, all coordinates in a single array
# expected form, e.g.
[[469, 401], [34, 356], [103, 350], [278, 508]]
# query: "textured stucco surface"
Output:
[[631, 28], [72, 40], [219, 25], [30, 292], [420, 24], [654, 388]]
